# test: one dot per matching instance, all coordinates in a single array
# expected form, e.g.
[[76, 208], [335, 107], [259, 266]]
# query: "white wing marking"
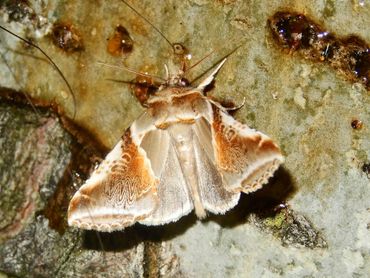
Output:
[[173, 193]]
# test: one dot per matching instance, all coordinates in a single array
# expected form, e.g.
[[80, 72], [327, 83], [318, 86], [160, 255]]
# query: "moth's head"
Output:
[[177, 71], [176, 77], [178, 67], [178, 81]]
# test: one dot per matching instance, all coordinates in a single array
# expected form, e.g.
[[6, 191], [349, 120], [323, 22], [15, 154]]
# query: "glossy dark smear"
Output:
[[297, 33], [121, 42], [356, 124], [361, 65], [366, 169], [66, 37]]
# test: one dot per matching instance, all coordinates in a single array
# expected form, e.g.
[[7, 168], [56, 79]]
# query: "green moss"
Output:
[[277, 221]]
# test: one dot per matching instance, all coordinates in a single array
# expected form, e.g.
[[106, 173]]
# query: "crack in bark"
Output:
[[67, 257], [151, 265]]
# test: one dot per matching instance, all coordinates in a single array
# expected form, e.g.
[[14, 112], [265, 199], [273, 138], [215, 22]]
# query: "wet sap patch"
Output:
[[350, 55], [66, 37], [120, 42]]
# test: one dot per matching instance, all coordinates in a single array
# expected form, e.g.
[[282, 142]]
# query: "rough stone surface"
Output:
[[306, 107], [36, 152]]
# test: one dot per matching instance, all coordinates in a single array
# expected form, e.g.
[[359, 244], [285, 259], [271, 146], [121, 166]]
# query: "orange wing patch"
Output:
[[131, 171], [245, 157], [119, 193]]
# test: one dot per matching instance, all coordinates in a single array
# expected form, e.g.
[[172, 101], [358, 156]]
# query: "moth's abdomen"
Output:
[[182, 136]]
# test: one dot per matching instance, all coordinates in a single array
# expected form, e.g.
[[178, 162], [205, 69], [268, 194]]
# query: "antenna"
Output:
[[133, 71], [151, 24], [50, 61], [16, 80], [220, 62], [200, 61]]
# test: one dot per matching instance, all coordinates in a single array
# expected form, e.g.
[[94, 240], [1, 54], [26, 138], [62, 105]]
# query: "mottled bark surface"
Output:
[[306, 107], [36, 154]]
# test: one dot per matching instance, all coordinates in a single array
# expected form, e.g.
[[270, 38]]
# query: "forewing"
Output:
[[172, 190], [245, 157], [121, 191]]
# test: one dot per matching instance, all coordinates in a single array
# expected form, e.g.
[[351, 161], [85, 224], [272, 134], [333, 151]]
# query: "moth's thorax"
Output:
[[168, 94], [177, 104]]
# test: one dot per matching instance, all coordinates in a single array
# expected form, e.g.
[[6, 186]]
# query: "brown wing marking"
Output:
[[121, 191], [213, 194], [245, 157]]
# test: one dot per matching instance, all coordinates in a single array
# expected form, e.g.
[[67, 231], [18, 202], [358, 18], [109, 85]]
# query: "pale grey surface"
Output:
[[307, 108]]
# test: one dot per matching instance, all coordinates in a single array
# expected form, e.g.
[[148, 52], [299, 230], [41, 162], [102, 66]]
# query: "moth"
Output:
[[184, 153]]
